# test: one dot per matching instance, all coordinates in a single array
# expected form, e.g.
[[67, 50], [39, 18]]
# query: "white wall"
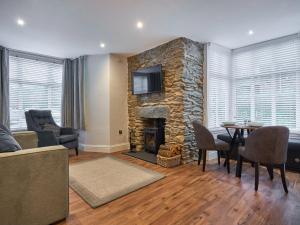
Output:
[[118, 100], [105, 104]]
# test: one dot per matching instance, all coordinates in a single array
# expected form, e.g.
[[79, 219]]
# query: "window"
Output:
[[34, 84], [260, 82], [266, 82], [218, 84]]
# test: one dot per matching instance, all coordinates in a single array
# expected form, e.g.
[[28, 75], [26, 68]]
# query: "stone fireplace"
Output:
[[154, 136], [153, 120], [181, 101]]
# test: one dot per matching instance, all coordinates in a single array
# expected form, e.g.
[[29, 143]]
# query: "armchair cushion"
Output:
[[7, 142], [51, 127], [40, 118]]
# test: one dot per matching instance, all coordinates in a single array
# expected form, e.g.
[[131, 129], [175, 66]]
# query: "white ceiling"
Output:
[[69, 28]]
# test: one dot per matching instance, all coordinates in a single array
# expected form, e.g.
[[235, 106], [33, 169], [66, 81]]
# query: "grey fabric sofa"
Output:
[[34, 183], [36, 121]]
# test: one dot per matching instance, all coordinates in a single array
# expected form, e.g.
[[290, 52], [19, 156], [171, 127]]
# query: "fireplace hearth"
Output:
[[154, 136]]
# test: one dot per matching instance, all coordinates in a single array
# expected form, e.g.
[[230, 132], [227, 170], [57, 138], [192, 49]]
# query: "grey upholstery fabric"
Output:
[[38, 119], [41, 117], [3, 127], [226, 138], [73, 93], [7, 141], [221, 145], [4, 86], [26, 139], [267, 145], [205, 139], [67, 138], [51, 127], [34, 186]]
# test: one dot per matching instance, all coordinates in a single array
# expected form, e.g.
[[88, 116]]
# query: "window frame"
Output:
[[43, 59], [253, 103]]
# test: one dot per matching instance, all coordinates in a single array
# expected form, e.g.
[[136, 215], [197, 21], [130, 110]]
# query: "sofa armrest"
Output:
[[46, 138], [26, 139], [34, 186]]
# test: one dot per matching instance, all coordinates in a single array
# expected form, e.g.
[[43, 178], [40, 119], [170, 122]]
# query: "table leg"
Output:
[[233, 140]]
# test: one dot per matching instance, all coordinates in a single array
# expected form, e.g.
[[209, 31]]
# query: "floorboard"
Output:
[[189, 196]]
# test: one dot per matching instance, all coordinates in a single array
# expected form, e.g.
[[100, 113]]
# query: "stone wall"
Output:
[[182, 98]]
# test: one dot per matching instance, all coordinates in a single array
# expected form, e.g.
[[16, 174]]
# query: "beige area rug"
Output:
[[105, 179]]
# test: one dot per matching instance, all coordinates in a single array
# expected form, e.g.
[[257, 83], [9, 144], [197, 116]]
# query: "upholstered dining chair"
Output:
[[266, 146], [206, 142]]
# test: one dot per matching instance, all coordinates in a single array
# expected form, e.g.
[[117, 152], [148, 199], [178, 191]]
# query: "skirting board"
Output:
[[104, 148]]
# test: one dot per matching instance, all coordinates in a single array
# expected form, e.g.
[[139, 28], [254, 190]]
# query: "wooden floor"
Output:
[[189, 196]]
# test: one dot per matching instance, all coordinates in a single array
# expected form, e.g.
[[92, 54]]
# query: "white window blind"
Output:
[[34, 84], [218, 84], [266, 82]]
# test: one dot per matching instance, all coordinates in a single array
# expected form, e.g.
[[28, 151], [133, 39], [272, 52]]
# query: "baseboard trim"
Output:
[[104, 148]]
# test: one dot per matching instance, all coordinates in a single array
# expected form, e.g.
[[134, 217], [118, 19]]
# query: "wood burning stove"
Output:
[[154, 136]]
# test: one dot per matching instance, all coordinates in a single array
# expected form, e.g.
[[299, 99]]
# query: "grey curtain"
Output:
[[4, 86], [73, 93]]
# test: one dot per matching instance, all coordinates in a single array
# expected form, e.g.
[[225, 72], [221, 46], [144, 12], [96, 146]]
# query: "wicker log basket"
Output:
[[169, 156], [168, 162]]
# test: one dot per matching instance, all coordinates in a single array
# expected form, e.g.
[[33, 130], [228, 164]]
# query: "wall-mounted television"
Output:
[[147, 80]]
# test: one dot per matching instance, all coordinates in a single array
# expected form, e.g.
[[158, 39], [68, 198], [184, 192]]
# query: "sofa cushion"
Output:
[[4, 128], [67, 138], [51, 127], [7, 142], [26, 139]]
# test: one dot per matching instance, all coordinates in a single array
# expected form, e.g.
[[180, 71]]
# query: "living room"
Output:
[[149, 112]]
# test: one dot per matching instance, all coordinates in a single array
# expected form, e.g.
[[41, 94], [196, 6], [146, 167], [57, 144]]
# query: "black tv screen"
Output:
[[147, 80]]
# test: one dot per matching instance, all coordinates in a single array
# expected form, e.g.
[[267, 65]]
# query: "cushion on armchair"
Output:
[[7, 141], [51, 127]]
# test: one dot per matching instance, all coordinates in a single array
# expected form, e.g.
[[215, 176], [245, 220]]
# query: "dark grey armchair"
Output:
[[49, 133], [266, 146], [205, 142]]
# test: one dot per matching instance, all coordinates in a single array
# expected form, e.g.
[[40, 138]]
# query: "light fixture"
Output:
[[139, 25], [102, 45], [250, 32], [20, 22]]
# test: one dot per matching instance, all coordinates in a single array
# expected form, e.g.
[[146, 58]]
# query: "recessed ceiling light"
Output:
[[139, 25], [250, 32], [20, 22], [102, 45]]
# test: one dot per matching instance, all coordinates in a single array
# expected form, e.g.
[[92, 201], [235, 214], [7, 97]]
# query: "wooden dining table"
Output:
[[239, 130], [238, 136]]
